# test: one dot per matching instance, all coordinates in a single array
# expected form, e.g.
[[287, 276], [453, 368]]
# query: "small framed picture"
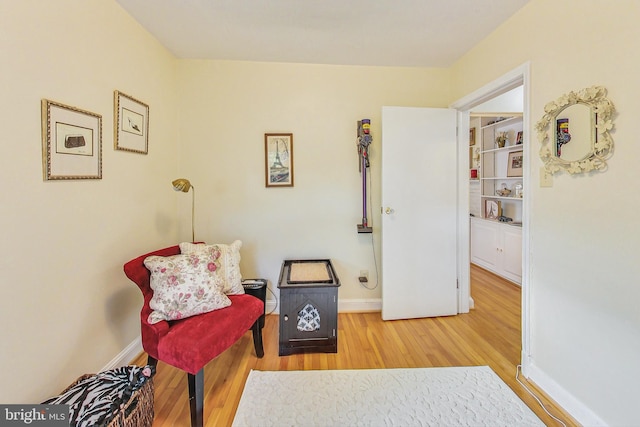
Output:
[[514, 167], [492, 209], [472, 136], [131, 124], [71, 142], [519, 138], [278, 159]]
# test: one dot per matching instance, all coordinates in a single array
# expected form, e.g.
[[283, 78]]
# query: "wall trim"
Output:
[[562, 397], [359, 305], [126, 356]]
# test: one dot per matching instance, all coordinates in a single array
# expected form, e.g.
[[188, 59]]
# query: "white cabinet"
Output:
[[501, 167], [497, 247]]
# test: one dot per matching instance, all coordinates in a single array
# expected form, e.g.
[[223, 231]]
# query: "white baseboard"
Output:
[[359, 305], [125, 357], [562, 397], [272, 306]]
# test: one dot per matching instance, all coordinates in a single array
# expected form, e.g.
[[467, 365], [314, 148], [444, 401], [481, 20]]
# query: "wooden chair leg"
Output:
[[196, 397], [257, 339]]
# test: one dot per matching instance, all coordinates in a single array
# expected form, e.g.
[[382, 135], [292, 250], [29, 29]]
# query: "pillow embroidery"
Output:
[[185, 285], [229, 257]]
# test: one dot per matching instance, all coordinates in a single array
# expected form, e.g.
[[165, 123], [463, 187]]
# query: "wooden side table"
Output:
[[308, 307]]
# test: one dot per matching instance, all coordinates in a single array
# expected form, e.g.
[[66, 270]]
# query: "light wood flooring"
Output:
[[488, 335]]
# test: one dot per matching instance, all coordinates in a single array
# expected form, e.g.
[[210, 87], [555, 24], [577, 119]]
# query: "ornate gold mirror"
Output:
[[574, 132]]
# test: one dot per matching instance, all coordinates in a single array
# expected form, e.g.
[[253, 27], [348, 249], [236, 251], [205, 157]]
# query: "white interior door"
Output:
[[419, 193]]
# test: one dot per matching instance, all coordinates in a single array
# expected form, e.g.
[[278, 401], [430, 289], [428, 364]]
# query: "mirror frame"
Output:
[[601, 148]]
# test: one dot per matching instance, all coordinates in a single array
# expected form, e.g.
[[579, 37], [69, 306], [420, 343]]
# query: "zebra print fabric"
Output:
[[95, 400]]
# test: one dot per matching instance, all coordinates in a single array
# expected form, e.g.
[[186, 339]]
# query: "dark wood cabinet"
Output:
[[308, 307]]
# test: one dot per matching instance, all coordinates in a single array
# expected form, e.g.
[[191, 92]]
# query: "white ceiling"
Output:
[[414, 33]]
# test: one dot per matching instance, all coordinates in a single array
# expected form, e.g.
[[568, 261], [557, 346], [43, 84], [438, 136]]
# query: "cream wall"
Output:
[[226, 108], [585, 230], [66, 307]]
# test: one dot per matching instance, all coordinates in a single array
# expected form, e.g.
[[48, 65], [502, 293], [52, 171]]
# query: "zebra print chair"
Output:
[[190, 343]]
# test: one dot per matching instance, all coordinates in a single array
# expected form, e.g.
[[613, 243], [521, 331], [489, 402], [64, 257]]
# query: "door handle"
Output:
[[388, 210]]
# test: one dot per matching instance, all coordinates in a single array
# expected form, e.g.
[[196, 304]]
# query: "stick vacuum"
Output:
[[364, 140]]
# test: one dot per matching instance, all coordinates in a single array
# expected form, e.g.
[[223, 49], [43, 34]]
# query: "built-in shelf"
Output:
[[518, 199], [497, 150], [501, 177], [494, 165]]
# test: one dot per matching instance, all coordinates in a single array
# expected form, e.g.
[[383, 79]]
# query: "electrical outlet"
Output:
[[364, 273]]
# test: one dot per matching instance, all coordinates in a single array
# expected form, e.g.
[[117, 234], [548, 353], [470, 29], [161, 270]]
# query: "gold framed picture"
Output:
[[278, 159], [71, 142], [131, 124]]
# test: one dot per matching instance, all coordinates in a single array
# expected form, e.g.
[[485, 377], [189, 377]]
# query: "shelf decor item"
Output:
[[518, 190], [514, 167], [501, 139], [278, 159], [492, 209], [71, 142], [519, 138], [503, 191], [131, 125]]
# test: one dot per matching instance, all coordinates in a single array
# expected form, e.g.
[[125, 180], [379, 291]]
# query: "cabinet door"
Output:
[[309, 313], [484, 244], [512, 253]]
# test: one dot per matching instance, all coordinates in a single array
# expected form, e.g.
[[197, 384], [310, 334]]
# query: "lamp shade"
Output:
[[181, 184]]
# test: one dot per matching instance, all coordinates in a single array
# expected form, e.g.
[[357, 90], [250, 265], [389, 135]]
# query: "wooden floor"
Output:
[[488, 335]]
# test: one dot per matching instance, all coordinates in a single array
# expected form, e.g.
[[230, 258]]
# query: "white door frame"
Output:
[[519, 76]]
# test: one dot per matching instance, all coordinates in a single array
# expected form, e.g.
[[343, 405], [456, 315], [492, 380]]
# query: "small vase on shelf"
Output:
[[501, 139]]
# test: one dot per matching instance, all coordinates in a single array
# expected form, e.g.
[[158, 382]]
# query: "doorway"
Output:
[[496, 188], [518, 77]]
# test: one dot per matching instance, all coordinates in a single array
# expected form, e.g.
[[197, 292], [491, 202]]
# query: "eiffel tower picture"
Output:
[[279, 159]]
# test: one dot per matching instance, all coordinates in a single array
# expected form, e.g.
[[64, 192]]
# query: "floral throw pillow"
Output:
[[185, 285], [229, 256]]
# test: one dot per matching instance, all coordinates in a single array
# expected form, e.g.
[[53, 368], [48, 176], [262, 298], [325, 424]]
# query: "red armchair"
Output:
[[190, 343]]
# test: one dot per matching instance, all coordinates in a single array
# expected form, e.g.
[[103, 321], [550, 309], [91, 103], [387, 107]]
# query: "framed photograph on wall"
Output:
[[278, 159], [71, 142], [492, 209], [131, 124], [514, 167], [472, 136]]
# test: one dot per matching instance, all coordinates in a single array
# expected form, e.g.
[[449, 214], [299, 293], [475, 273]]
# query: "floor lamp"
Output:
[[184, 185]]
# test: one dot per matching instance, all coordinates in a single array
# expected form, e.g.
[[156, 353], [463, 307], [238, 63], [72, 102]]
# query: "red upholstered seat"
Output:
[[190, 343]]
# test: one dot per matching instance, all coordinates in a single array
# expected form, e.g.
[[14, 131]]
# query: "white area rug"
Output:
[[465, 396]]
